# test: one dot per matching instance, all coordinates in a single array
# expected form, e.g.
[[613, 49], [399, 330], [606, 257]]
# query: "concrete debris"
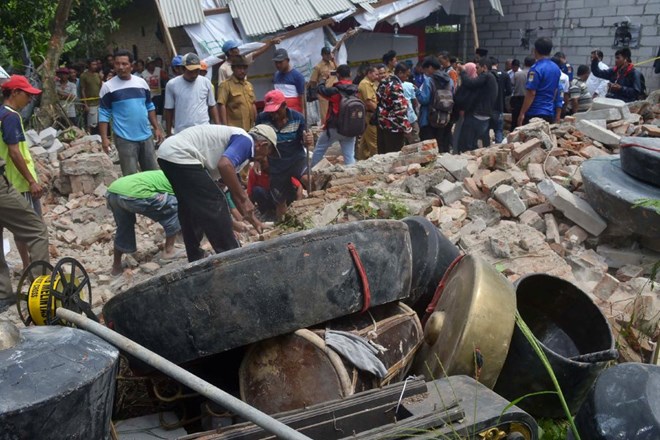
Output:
[[573, 207], [517, 204]]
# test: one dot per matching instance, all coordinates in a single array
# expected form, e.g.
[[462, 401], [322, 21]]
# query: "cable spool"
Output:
[[43, 289]]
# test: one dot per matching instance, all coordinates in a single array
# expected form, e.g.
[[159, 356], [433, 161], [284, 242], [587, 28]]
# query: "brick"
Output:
[[499, 207], [573, 207], [533, 219], [576, 235], [551, 229], [508, 197], [520, 150], [494, 179], [592, 151], [628, 272], [535, 172], [552, 165], [600, 134], [606, 287], [472, 188]]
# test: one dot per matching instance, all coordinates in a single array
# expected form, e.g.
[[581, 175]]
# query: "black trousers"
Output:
[[516, 106], [203, 209], [442, 135], [389, 142]]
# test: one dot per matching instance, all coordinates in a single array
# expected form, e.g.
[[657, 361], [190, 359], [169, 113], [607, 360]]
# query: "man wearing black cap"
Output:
[[288, 81], [236, 98], [189, 98]]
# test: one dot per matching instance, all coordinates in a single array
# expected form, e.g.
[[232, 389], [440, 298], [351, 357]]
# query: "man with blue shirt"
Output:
[[288, 81], [126, 101], [193, 160], [543, 92]]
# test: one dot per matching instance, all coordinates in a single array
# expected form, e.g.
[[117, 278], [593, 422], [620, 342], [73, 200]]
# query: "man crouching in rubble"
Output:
[[193, 160], [148, 193]]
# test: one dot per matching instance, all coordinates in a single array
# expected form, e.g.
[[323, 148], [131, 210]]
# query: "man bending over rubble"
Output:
[[193, 160], [148, 193]]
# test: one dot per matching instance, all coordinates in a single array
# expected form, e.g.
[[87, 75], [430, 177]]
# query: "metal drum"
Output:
[[297, 370], [574, 335], [470, 329]]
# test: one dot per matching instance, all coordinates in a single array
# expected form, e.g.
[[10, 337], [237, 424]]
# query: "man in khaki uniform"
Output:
[[367, 93], [324, 69], [236, 97]]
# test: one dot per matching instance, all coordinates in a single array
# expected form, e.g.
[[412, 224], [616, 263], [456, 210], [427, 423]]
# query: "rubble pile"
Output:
[[519, 204]]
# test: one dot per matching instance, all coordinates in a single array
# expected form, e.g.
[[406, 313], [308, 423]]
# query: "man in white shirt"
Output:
[[193, 160], [597, 86], [189, 98]]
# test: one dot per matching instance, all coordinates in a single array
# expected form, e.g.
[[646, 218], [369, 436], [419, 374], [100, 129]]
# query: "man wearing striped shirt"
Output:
[[126, 101]]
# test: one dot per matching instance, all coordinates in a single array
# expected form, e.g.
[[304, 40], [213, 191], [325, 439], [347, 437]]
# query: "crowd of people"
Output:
[[187, 176]]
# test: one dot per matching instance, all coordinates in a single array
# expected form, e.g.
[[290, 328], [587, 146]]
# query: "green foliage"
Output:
[[553, 429], [373, 204], [88, 25], [648, 203]]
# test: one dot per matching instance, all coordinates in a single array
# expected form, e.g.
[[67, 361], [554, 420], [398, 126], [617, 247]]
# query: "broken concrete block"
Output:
[[535, 172], [33, 139], [598, 133], [499, 248], [606, 287], [628, 272], [551, 229], [37, 151], [449, 192], [88, 164], [508, 197], [552, 165], [608, 114], [48, 136], [576, 209], [474, 227], [479, 209], [533, 219], [55, 146], [496, 178], [457, 166], [619, 257], [605, 103]]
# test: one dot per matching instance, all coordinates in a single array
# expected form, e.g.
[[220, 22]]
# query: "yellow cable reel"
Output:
[[43, 289]]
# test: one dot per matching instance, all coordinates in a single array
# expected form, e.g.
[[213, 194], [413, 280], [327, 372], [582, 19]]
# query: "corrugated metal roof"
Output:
[[357, 2], [331, 7], [181, 12], [261, 17]]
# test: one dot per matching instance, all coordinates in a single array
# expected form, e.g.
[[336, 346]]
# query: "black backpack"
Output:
[[442, 103], [351, 120]]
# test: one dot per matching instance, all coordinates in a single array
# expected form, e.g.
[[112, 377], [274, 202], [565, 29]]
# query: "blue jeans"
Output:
[[161, 208], [497, 124], [325, 140], [471, 131]]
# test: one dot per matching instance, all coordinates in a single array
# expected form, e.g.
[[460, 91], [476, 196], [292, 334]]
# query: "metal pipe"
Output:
[[214, 393]]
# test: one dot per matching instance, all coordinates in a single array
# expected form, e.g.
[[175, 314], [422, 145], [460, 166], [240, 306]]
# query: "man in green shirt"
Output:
[[148, 193], [90, 86]]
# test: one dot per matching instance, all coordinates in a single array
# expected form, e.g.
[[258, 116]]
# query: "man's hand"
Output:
[[614, 87], [308, 138], [594, 57], [159, 135], [459, 68], [276, 40], [36, 190], [521, 118], [105, 143], [250, 216]]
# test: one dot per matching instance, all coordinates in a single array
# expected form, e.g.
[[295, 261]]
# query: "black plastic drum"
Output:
[[640, 158], [623, 404], [574, 335], [57, 383]]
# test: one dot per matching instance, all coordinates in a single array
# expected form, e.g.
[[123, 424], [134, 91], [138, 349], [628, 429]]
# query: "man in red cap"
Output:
[[289, 160], [17, 175]]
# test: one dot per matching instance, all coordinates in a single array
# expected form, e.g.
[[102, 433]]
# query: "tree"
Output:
[[51, 62]]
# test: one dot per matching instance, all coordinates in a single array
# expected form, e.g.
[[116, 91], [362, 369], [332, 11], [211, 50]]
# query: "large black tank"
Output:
[[55, 383]]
